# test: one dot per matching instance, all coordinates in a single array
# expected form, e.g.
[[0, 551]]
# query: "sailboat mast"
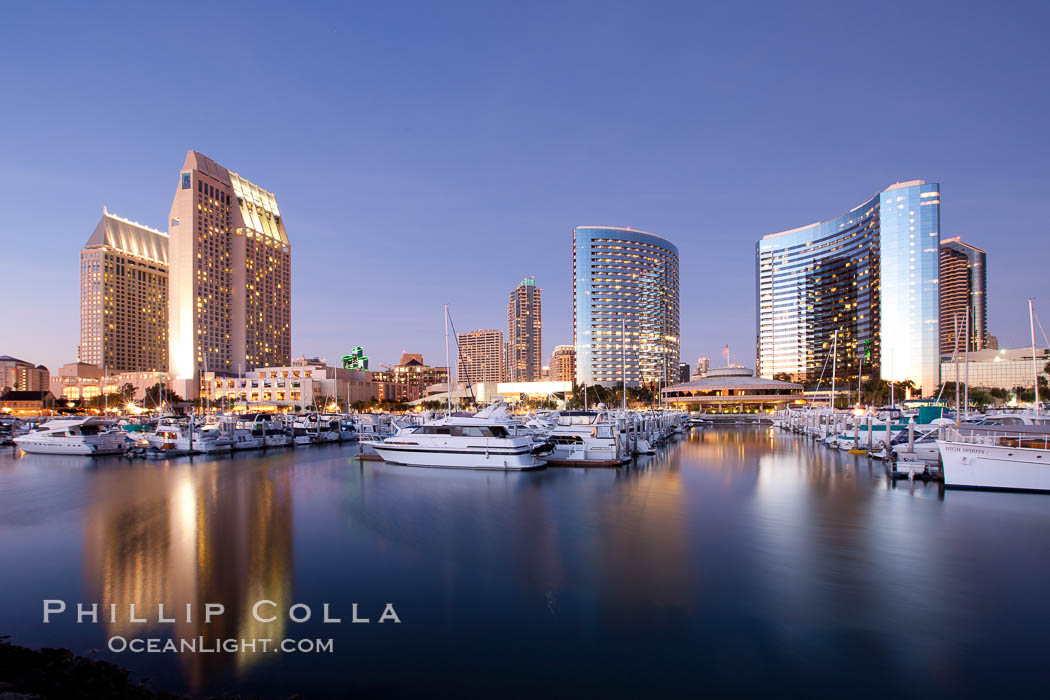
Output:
[[623, 360], [955, 361], [966, 368], [448, 383], [1035, 363], [834, 359]]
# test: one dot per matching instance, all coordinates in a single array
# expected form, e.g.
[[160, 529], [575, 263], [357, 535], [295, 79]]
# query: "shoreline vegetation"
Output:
[[51, 674]]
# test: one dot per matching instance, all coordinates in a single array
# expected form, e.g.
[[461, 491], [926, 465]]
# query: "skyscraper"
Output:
[[480, 356], [563, 364], [524, 349], [625, 306], [963, 292], [864, 282], [229, 275], [124, 297]]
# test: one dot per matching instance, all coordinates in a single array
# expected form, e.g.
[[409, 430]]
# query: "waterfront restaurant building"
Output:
[[868, 279], [733, 390]]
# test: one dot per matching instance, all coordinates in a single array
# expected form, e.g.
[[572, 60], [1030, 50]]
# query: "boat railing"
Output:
[[1033, 440]]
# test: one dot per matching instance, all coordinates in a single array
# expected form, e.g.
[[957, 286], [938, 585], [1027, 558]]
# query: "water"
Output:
[[739, 561]]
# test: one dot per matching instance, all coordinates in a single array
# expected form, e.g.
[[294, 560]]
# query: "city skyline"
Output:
[[502, 163]]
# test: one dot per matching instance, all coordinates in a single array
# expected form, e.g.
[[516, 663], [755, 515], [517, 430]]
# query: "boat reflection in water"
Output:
[[211, 533]]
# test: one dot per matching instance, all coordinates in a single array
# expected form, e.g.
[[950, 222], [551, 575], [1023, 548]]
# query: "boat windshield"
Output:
[[577, 418], [496, 431]]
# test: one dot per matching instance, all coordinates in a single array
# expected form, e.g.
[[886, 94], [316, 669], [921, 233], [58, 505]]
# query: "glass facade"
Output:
[[625, 302], [869, 277]]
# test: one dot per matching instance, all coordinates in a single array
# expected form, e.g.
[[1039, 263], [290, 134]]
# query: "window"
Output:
[[186, 181]]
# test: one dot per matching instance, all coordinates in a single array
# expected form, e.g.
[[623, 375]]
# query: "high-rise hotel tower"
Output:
[[867, 278], [229, 276], [124, 297], [625, 306], [524, 347]]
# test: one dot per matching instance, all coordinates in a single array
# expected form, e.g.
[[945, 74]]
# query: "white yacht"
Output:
[[481, 441], [587, 438], [1009, 457], [239, 434], [182, 437], [74, 436], [272, 433]]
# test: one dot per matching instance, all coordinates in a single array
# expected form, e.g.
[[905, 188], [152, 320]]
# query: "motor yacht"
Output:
[[481, 441], [74, 436], [1009, 457], [236, 431], [587, 438], [272, 433], [185, 437]]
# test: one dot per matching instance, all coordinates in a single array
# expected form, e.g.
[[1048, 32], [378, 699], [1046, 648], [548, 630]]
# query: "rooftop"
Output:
[[129, 237], [732, 378]]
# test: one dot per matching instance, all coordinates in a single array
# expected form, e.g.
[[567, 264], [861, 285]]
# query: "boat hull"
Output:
[[966, 465], [54, 447], [421, 456]]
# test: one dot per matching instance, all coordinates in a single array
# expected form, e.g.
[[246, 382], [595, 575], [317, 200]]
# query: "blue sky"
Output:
[[424, 153]]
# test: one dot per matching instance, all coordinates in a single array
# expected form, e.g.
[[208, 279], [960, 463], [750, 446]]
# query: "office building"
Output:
[[124, 297], [625, 306], [995, 369], [229, 276], [80, 381], [864, 283], [563, 364], [480, 356], [303, 383], [962, 280], [19, 375], [703, 366], [524, 362]]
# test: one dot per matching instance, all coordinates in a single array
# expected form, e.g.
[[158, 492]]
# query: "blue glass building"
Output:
[[625, 302], [871, 276]]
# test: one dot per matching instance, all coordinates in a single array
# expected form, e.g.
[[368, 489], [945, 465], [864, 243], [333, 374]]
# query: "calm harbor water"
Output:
[[737, 561]]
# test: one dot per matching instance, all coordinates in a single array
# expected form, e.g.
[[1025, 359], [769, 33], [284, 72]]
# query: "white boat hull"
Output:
[[970, 465], [69, 447], [423, 456]]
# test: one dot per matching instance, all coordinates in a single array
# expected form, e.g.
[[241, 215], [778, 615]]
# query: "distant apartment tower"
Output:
[[625, 306], [524, 348], [563, 364], [124, 297], [683, 372], [703, 366], [864, 283], [19, 375], [963, 283], [480, 356], [229, 275]]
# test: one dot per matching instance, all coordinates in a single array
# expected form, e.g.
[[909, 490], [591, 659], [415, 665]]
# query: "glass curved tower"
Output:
[[625, 293], [870, 276]]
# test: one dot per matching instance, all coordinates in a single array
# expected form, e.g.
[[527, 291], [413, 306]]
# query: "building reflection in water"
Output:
[[212, 532]]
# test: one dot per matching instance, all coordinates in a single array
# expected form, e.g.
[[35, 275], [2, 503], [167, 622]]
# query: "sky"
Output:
[[425, 153]]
